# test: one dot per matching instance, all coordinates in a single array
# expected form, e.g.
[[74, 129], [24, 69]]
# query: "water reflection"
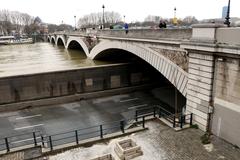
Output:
[[41, 57]]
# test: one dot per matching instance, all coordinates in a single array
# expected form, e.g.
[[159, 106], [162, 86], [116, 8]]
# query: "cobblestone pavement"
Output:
[[162, 143]]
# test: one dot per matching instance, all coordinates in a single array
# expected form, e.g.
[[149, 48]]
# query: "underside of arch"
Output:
[[53, 40], [168, 69], [60, 42], [77, 43]]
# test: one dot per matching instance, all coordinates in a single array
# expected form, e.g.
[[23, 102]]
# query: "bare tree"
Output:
[[152, 18], [189, 20], [96, 19], [14, 20]]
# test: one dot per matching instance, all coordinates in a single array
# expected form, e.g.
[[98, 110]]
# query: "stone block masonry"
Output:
[[127, 149], [226, 116], [200, 87]]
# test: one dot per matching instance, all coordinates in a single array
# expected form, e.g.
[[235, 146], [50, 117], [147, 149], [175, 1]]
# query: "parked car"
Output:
[[118, 26]]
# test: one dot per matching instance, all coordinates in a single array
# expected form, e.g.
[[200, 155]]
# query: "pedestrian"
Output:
[[126, 28], [164, 24], [160, 24]]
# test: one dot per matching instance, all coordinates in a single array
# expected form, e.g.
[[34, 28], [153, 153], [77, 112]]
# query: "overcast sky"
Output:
[[56, 11]]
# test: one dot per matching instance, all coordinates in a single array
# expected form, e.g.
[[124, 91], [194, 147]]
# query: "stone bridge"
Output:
[[203, 63], [164, 54]]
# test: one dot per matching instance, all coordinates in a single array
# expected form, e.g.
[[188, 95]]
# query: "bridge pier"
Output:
[[213, 89], [201, 71], [200, 87]]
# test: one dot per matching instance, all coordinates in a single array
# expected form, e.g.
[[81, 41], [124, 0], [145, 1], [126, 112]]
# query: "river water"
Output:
[[41, 57]]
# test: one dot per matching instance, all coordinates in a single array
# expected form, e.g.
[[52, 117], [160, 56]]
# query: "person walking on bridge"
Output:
[[126, 28]]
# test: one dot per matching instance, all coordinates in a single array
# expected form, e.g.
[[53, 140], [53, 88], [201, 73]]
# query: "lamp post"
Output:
[[124, 18], [103, 15], [75, 23], [175, 16], [227, 18]]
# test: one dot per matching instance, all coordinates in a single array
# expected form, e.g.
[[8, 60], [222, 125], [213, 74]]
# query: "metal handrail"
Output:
[[99, 129]]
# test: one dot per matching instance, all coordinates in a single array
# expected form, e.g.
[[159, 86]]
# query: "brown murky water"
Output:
[[41, 57]]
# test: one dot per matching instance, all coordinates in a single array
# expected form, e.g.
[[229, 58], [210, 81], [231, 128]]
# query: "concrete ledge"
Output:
[[208, 25], [22, 154]]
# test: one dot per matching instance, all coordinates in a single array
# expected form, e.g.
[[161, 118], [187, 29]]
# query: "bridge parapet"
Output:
[[216, 34], [175, 34]]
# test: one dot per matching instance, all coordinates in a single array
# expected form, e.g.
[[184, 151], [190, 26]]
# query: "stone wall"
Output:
[[200, 86], [226, 116], [62, 83]]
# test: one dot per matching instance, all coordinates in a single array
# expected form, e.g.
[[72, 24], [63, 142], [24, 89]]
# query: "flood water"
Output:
[[41, 57]]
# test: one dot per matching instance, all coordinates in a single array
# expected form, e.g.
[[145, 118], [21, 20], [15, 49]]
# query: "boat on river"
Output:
[[11, 40]]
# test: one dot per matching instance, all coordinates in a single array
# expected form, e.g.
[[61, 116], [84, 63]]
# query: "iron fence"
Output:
[[176, 119], [31, 139], [20, 141]]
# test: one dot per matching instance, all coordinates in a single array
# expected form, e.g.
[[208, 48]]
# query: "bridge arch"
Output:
[[53, 40], [49, 39], [60, 41], [176, 75], [76, 42]]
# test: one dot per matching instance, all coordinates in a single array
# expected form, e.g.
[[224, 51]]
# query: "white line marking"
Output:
[[142, 105], [25, 127], [127, 100], [27, 117]]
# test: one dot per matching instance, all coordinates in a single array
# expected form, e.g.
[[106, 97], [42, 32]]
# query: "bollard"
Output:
[[7, 145], [101, 131], [34, 139], [76, 135]]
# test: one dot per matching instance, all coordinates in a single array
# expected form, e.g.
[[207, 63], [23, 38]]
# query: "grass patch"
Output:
[[195, 126], [205, 138]]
